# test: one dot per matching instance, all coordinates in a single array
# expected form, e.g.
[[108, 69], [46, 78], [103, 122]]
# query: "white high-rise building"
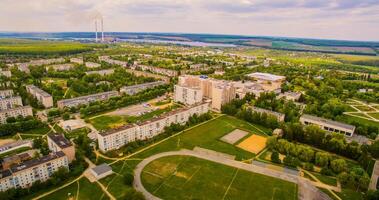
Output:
[[187, 95]]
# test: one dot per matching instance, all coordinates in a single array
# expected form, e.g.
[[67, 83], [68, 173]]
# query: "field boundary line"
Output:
[[231, 182]]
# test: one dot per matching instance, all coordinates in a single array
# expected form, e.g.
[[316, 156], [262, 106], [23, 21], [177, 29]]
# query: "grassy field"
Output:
[[350, 119], [183, 177], [347, 194], [326, 179], [38, 131], [106, 122], [86, 189], [375, 115], [39, 47]]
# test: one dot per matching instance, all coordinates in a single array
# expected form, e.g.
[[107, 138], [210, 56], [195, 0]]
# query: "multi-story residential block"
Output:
[[24, 67], [10, 102], [148, 74], [6, 93], [60, 67], [57, 142], [87, 99], [107, 59], [290, 96], [116, 138], [269, 82], [279, 116], [77, 60], [101, 72], [187, 95], [5, 73], [15, 112], [134, 89], [26, 173], [222, 93], [92, 65], [328, 125], [158, 70], [10, 161], [43, 97]]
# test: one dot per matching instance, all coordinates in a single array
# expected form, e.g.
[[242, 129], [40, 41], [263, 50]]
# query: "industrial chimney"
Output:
[[96, 30], [102, 30]]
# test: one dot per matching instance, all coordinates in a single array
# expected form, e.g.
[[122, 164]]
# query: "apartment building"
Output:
[[148, 74], [6, 93], [101, 72], [158, 70], [15, 112], [328, 125], [187, 95], [10, 102], [108, 60], [116, 138], [279, 116], [290, 96], [269, 82], [84, 100], [77, 60], [24, 67], [134, 89], [219, 91], [60, 67], [57, 143], [26, 173], [5, 73], [43, 97], [92, 65]]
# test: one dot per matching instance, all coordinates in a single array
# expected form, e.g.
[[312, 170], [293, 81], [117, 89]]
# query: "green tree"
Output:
[[338, 165]]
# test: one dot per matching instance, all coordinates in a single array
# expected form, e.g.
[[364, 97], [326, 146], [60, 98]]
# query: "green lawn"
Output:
[[184, 177], [350, 119], [348, 194], [364, 108], [326, 179], [375, 115], [87, 191], [106, 122], [38, 131]]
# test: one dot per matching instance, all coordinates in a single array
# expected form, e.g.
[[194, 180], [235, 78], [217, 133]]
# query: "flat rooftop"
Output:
[[327, 121], [102, 169], [266, 76], [60, 140]]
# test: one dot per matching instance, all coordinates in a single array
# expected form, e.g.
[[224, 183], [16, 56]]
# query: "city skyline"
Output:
[[343, 20]]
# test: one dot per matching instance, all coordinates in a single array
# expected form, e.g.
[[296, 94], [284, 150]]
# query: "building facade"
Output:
[[87, 99], [23, 111], [134, 89], [77, 60], [5, 93], [5, 73], [116, 138], [26, 173], [10, 102], [187, 95], [101, 72], [279, 116], [328, 125], [43, 97], [57, 142]]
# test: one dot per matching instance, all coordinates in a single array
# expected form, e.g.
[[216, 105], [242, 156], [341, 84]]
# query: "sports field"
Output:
[[253, 144], [185, 177]]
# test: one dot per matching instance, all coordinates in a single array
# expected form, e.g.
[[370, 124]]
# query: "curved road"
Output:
[[306, 189]]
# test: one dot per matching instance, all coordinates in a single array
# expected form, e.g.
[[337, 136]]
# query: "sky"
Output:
[[325, 19]]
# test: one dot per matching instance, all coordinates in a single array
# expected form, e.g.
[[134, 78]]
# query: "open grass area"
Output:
[[364, 108], [350, 119], [38, 131], [348, 194], [183, 177], [106, 122], [374, 115], [87, 191], [59, 81], [326, 179]]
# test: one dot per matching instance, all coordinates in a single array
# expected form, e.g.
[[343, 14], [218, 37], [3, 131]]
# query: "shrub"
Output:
[[326, 171], [308, 166], [275, 157]]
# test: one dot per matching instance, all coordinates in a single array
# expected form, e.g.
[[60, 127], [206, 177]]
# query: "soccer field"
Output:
[[185, 177]]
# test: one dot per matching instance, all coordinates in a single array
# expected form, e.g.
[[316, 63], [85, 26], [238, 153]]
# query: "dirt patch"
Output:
[[234, 136], [253, 144], [6, 141]]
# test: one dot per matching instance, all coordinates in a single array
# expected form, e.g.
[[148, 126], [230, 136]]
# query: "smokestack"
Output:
[[102, 30], [96, 30]]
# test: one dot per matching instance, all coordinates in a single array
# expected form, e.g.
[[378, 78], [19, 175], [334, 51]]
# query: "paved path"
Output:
[[306, 190], [374, 176]]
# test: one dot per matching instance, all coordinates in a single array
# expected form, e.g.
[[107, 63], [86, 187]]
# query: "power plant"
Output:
[[101, 28]]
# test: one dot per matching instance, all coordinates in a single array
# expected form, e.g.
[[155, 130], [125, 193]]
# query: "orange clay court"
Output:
[[253, 144]]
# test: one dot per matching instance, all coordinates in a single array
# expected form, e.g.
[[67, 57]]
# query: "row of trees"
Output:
[[14, 126]]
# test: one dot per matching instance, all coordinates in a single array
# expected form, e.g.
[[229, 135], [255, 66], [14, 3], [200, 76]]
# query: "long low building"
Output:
[[101, 72], [9, 103], [87, 99], [15, 112], [43, 97], [279, 116], [158, 70], [328, 125], [6, 93], [116, 138], [5, 73], [26, 173], [134, 89], [60, 67]]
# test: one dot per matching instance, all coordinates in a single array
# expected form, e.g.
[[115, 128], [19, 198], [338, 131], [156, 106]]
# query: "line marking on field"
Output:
[[78, 190], [154, 174], [188, 180], [273, 193], [230, 184]]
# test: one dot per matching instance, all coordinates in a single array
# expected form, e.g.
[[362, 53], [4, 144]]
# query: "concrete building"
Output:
[[10, 161], [43, 97], [116, 138], [72, 124], [101, 171], [187, 95], [10, 102], [5, 73], [290, 96], [279, 116], [26, 173], [158, 70], [269, 82], [101, 72], [222, 93], [93, 65], [57, 142], [84, 100], [15, 112], [24, 67], [60, 67], [134, 89], [77, 60], [6, 93], [15, 145], [328, 125], [108, 60]]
